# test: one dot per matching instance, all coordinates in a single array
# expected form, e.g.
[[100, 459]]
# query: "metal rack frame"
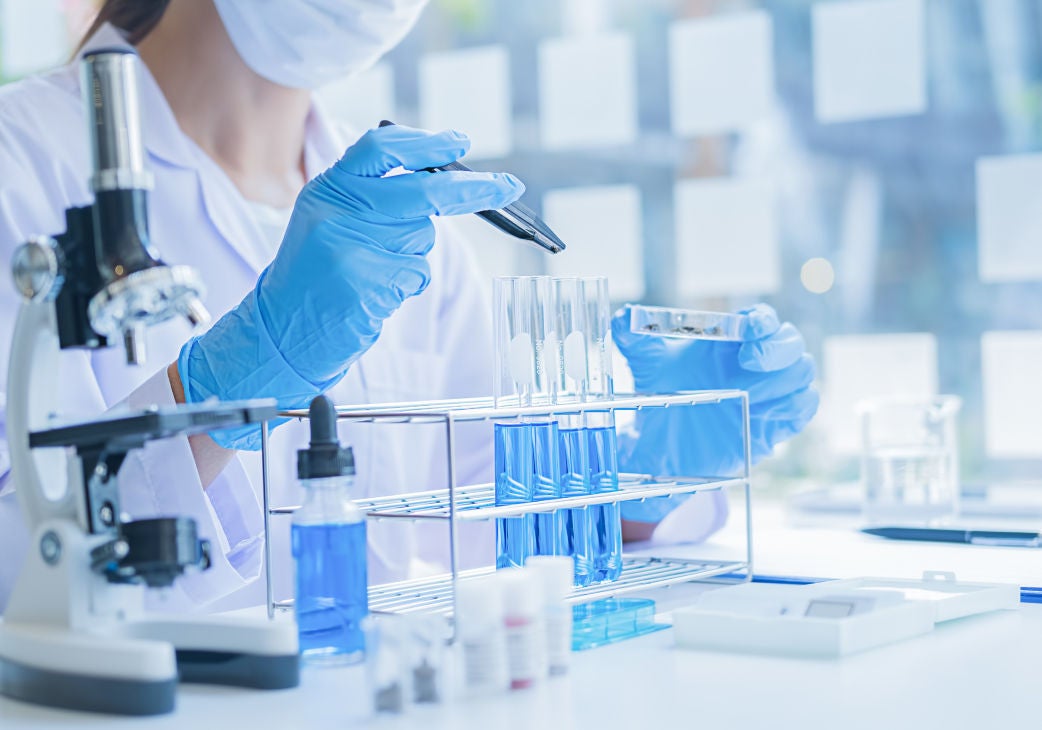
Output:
[[463, 503]]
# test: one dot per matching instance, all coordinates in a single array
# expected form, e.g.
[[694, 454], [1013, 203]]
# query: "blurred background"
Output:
[[872, 168]]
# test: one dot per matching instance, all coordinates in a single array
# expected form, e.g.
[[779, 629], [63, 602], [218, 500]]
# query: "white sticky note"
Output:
[[1010, 366], [721, 72], [856, 367], [727, 242], [33, 36], [361, 101], [587, 91], [601, 227], [1009, 218], [469, 90], [869, 59]]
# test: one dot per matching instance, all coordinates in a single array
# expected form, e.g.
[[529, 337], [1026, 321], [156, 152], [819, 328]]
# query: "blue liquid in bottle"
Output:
[[547, 527], [515, 536], [607, 522], [332, 594], [575, 482]]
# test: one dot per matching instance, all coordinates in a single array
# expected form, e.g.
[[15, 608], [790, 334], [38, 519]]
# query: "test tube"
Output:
[[570, 316], [600, 431], [526, 450]]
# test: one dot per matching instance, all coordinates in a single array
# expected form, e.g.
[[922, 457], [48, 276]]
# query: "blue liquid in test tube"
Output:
[[575, 482], [515, 536], [548, 527], [607, 522]]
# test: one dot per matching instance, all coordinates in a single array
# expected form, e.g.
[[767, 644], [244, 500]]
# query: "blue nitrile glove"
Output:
[[770, 363], [355, 249]]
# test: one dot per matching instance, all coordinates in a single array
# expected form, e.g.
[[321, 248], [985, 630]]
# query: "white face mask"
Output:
[[309, 43]]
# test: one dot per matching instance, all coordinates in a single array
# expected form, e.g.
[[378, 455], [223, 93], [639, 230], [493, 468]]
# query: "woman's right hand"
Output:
[[355, 250]]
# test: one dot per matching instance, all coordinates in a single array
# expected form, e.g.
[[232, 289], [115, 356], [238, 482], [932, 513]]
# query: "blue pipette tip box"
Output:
[[611, 620]]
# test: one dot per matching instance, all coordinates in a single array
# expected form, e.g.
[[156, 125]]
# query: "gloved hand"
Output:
[[770, 363], [355, 249]]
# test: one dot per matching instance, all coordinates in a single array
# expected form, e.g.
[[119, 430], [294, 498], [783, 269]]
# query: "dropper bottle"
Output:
[[329, 547]]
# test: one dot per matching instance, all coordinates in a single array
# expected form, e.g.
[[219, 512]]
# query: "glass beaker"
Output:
[[910, 459], [526, 447]]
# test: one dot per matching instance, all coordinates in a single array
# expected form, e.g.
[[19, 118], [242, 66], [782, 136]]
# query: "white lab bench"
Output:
[[980, 672]]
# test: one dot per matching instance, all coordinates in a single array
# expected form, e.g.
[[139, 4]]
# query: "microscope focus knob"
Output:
[[37, 269]]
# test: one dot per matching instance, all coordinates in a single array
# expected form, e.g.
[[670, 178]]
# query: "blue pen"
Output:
[[970, 537]]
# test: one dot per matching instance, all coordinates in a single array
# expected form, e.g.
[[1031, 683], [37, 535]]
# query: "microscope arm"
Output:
[[47, 483]]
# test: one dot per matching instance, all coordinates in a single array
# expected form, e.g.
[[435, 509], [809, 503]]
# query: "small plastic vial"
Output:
[[555, 573], [479, 622], [329, 548], [525, 630], [387, 664]]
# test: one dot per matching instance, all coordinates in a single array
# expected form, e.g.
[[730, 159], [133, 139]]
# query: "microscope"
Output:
[[75, 634]]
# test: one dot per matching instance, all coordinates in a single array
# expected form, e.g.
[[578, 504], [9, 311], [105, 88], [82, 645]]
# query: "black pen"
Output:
[[970, 537], [516, 219]]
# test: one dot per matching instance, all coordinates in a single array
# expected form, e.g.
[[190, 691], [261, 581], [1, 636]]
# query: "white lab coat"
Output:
[[437, 346]]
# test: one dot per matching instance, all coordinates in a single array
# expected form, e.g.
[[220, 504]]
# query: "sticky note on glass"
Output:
[[33, 36], [601, 226], [469, 90], [587, 91], [857, 367], [869, 59], [1012, 394], [727, 240], [361, 100], [721, 72], [1009, 218]]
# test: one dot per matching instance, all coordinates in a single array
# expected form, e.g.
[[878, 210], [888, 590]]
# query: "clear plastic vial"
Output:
[[482, 634], [329, 548], [555, 574], [524, 627]]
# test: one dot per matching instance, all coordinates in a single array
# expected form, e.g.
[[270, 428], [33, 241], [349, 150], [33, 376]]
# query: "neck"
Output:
[[252, 128]]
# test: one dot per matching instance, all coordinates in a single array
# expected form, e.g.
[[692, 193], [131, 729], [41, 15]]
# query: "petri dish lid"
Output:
[[690, 324]]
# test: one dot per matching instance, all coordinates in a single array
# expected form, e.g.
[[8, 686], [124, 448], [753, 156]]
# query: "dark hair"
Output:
[[136, 18]]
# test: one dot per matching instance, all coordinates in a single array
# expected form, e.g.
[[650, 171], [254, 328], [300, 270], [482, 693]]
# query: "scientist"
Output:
[[329, 277]]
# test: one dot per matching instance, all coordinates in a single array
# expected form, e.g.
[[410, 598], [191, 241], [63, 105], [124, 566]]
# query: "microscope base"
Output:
[[70, 639], [57, 668], [133, 675]]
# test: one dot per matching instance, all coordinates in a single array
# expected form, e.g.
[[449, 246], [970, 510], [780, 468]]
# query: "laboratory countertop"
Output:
[[976, 673]]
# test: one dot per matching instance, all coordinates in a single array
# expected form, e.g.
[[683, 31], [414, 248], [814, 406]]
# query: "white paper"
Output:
[[726, 235], [601, 227], [587, 91], [869, 59], [721, 72], [361, 101], [856, 367], [1009, 218], [469, 90], [1010, 367], [33, 36]]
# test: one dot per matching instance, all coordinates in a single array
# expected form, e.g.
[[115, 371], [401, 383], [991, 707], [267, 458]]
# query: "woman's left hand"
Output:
[[770, 363]]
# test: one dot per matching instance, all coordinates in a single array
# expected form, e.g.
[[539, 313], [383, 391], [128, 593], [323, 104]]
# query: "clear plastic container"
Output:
[[910, 459], [685, 323]]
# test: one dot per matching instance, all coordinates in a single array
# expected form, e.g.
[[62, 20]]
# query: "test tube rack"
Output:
[[463, 503]]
